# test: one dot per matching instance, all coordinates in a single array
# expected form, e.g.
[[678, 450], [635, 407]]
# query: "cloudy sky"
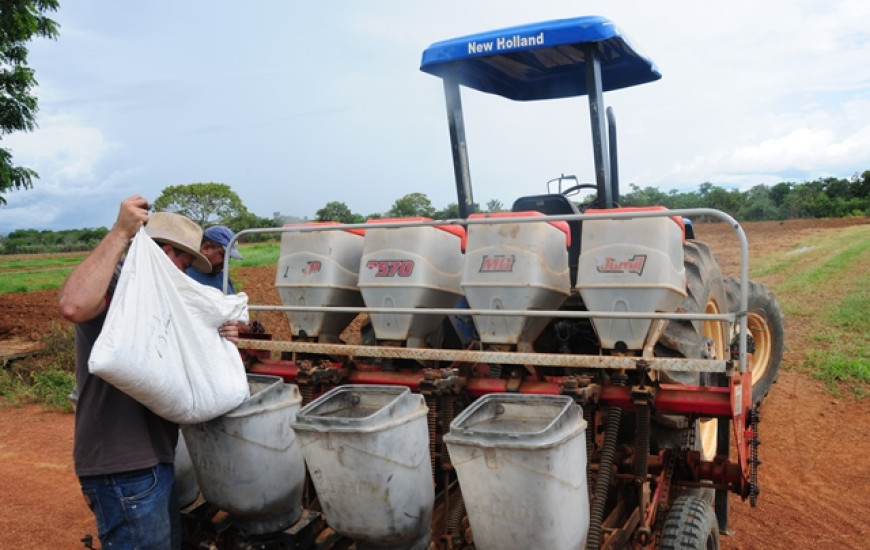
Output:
[[296, 104]]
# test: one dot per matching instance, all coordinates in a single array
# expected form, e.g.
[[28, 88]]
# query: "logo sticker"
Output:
[[312, 268], [633, 265], [391, 268], [497, 264]]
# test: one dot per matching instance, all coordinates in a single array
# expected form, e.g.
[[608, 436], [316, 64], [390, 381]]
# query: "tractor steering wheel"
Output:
[[574, 188]]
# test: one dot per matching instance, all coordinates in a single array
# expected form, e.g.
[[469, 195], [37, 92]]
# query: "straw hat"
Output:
[[180, 232]]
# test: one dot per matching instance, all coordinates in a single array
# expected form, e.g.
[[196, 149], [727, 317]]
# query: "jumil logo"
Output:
[[633, 265]]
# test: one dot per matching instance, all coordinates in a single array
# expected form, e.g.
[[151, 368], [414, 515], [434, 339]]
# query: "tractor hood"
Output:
[[540, 60]]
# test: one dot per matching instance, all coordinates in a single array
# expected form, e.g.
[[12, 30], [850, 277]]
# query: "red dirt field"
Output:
[[815, 477]]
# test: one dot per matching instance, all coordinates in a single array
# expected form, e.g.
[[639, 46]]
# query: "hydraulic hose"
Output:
[[602, 481]]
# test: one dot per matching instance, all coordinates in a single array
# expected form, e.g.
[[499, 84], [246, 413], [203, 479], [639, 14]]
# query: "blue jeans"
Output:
[[135, 510]]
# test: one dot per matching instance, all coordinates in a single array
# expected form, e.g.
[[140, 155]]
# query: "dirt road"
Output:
[[815, 477]]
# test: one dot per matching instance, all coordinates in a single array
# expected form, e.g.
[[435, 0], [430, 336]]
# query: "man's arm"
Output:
[[83, 295]]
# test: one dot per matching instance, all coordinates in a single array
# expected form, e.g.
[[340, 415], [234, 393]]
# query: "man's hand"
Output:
[[256, 327], [230, 331], [132, 214], [83, 295]]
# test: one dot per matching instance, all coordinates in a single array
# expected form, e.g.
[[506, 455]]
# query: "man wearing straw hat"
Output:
[[123, 452]]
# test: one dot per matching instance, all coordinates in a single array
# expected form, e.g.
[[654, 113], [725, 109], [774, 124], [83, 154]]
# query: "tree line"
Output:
[[35, 241], [216, 203], [821, 198]]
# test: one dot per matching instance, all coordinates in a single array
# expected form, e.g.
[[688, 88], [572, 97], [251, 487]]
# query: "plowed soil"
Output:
[[815, 477]]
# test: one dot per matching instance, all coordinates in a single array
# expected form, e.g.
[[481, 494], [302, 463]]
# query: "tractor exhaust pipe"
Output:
[[614, 163]]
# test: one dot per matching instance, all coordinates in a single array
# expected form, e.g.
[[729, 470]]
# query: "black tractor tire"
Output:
[[766, 339], [697, 339], [690, 525]]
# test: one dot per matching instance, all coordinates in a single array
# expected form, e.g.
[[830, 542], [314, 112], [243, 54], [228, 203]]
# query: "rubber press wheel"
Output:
[[690, 525], [766, 339]]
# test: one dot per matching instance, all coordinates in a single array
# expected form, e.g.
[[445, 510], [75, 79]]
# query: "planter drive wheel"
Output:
[[766, 339], [690, 525]]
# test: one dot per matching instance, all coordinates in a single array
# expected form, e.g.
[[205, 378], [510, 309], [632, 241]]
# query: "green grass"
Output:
[[815, 249], [842, 369], [257, 254], [31, 280], [845, 359], [22, 273], [827, 288], [41, 261], [46, 379], [29, 273], [854, 311], [843, 262], [49, 387]]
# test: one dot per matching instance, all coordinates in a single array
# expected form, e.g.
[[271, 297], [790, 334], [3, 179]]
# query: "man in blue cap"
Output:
[[214, 244], [215, 240]]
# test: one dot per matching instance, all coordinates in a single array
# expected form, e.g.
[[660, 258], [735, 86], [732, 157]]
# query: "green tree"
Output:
[[25, 241], [779, 193], [248, 220], [336, 211], [494, 205], [861, 185], [726, 200], [412, 205], [758, 205], [676, 199], [450, 212], [648, 196], [20, 21], [205, 203]]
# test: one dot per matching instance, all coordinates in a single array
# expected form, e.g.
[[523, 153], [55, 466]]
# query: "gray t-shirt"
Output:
[[113, 432]]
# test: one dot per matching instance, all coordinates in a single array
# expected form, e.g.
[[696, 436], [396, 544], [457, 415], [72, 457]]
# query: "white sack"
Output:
[[160, 342]]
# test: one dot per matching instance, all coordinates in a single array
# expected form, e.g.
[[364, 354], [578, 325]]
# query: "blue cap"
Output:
[[222, 235]]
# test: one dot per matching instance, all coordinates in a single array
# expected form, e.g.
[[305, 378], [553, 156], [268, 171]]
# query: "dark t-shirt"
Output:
[[113, 432]]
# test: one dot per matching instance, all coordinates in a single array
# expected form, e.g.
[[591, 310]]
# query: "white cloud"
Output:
[[307, 104], [800, 148], [65, 153], [28, 216]]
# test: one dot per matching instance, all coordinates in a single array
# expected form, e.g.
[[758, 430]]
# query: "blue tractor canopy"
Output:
[[541, 60], [548, 60]]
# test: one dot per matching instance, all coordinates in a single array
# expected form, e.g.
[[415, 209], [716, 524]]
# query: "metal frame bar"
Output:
[[459, 147], [494, 357], [598, 124]]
